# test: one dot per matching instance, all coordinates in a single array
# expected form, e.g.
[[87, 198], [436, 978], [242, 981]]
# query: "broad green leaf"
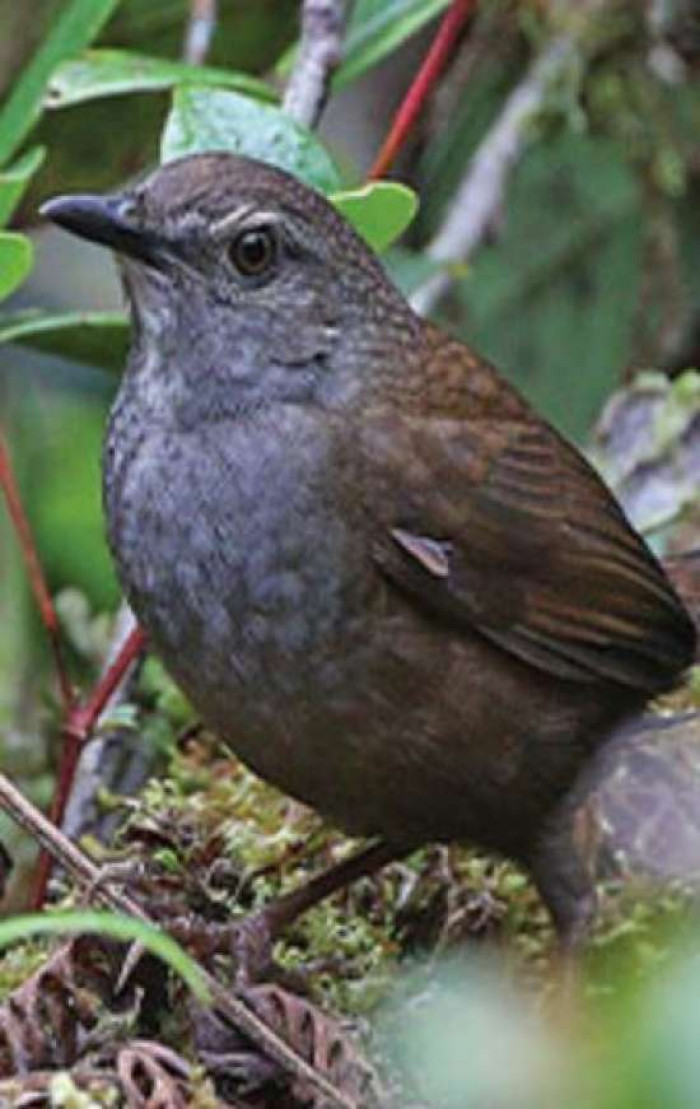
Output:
[[15, 179], [75, 28], [377, 27], [91, 338], [379, 211], [100, 73], [212, 119], [16, 254], [115, 925]]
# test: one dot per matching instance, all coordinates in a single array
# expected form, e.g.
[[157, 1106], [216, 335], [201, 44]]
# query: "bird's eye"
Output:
[[254, 252]]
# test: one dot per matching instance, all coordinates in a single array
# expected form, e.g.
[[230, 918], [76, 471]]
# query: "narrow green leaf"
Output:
[[100, 73], [376, 28], [16, 254], [211, 119], [91, 338], [75, 28], [114, 925], [380, 211], [14, 181]]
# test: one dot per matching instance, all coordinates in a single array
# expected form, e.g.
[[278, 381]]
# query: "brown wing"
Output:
[[506, 529]]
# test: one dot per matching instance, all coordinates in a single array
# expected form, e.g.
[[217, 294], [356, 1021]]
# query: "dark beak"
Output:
[[104, 220]]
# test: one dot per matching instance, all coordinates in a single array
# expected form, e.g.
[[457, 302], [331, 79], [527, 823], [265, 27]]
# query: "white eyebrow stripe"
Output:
[[242, 216]]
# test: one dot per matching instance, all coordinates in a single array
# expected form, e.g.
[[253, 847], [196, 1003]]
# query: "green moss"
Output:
[[18, 963]]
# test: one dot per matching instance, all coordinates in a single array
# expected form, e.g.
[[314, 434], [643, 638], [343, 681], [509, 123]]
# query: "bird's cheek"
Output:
[[307, 346]]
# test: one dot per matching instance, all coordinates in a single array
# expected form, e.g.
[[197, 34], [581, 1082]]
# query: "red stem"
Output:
[[426, 78], [34, 571], [84, 717], [76, 730], [79, 720]]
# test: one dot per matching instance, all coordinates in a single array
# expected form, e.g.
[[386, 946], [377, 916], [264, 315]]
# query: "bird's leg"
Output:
[[251, 940], [252, 945], [367, 860], [570, 897], [563, 869]]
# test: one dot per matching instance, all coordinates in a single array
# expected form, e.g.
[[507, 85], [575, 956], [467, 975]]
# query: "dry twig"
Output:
[[199, 31], [322, 24]]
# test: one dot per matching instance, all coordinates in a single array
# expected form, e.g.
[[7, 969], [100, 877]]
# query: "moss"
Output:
[[19, 963]]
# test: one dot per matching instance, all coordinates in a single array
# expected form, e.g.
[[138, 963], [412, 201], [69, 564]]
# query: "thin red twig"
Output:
[[76, 731], [35, 574], [79, 720], [437, 57], [84, 717]]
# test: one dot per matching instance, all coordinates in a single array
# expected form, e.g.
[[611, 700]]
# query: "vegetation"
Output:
[[554, 163]]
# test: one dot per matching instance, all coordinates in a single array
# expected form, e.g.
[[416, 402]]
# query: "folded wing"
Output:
[[506, 530]]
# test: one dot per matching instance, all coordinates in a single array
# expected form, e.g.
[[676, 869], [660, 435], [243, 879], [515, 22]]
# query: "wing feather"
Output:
[[532, 551]]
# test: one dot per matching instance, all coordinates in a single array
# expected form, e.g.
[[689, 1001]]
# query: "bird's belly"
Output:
[[265, 607], [390, 727]]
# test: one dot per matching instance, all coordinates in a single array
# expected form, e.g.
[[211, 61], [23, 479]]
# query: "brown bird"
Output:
[[395, 590]]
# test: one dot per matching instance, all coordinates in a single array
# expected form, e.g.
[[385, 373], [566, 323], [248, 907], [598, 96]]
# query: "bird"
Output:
[[394, 589]]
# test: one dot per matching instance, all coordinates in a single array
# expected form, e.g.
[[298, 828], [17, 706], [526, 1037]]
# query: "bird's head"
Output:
[[235, 270]]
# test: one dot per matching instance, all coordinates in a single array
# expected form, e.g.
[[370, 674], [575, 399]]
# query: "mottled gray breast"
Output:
[[229, 542]]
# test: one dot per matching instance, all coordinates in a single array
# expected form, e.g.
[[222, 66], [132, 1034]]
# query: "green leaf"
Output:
[[15, 179], [16, 254], [211, 119], [77, 25], [91, 338], [115, 925], [100, 73], [377, 27], [379, 211]]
